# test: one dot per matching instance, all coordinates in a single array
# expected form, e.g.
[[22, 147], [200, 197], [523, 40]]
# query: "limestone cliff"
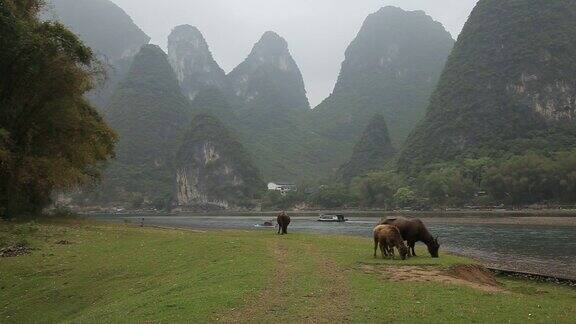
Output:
[[212, 168]]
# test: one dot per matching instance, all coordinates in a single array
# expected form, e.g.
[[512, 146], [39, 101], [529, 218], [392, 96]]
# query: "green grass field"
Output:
[[123, 273]]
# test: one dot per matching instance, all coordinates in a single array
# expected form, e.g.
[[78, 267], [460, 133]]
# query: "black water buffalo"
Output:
[[413, 230], [283, 222]]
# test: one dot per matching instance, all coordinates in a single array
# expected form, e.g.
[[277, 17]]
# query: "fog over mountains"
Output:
[[231, 27]]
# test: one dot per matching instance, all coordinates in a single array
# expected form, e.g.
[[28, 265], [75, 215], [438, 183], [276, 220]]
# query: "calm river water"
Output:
[[542, 249]]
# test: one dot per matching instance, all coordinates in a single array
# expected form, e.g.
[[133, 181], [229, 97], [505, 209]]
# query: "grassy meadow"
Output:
[[79, 271]]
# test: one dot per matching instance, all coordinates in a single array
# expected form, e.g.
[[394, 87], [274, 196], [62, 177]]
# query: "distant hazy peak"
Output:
[[149, 66], [101, 24], [271, 74], [271, 42], [151, 49], [192, 61], [396, 10], [270, 49], [385, 14], [188, 34], [393, 39]]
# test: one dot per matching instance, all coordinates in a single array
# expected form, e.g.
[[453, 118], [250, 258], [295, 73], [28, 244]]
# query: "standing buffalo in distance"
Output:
[[413, 230], [283, 222], [388, 237]]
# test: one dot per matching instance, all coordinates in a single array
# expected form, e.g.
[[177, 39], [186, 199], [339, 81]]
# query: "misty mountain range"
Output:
[[390, 71]]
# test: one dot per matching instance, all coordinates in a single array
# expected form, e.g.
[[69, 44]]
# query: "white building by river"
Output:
[[283, 187]]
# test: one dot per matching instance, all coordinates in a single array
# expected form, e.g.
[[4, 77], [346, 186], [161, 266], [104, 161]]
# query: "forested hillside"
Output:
[[150, 113], [508, 87], [371, 153], [391, 68]]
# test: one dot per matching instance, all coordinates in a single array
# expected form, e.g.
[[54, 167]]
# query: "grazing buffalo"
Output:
[[283, 222], [389, 237], [413, 230]]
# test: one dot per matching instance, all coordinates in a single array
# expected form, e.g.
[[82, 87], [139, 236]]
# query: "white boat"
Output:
[[332, 218]]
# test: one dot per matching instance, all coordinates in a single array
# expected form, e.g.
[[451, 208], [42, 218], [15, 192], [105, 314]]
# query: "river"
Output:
[[539, 245]]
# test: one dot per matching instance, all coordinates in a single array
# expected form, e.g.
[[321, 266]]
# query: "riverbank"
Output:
[[545, 246], [526, 217], [80, 271]]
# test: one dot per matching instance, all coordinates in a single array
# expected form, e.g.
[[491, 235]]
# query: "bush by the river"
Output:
[[513, 181]]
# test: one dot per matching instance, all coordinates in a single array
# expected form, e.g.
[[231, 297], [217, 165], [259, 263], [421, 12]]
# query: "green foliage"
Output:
[[50, 138], [162, 203], [533, 178], [377, 189], [405, 197], [517, 180], [333, 196], [447, 187]]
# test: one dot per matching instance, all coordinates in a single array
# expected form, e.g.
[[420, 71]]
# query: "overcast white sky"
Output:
[[318, 31]]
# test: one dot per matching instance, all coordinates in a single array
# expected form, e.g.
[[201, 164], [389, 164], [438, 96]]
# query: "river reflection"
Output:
[[542, 249]]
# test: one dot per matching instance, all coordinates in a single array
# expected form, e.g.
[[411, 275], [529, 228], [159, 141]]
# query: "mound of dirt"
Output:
[[474, 276], [14, 251], [474, 273]]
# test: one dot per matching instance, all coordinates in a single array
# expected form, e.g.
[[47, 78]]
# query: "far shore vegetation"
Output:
[[514, 182]]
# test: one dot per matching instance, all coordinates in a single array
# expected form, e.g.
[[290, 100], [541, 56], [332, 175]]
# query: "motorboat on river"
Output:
[[266, 224], [332, 218]]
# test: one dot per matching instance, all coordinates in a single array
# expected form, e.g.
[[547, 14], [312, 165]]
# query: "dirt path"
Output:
[[303, 292], [334, 305]]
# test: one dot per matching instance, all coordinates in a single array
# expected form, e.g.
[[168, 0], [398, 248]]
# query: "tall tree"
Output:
[[51, 138]]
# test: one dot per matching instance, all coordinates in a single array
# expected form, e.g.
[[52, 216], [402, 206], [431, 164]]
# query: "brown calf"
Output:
[[388, 237]]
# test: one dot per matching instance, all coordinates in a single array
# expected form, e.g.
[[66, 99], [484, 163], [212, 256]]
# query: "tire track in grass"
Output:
[[334, 305], [272, 299], [306, 287]]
